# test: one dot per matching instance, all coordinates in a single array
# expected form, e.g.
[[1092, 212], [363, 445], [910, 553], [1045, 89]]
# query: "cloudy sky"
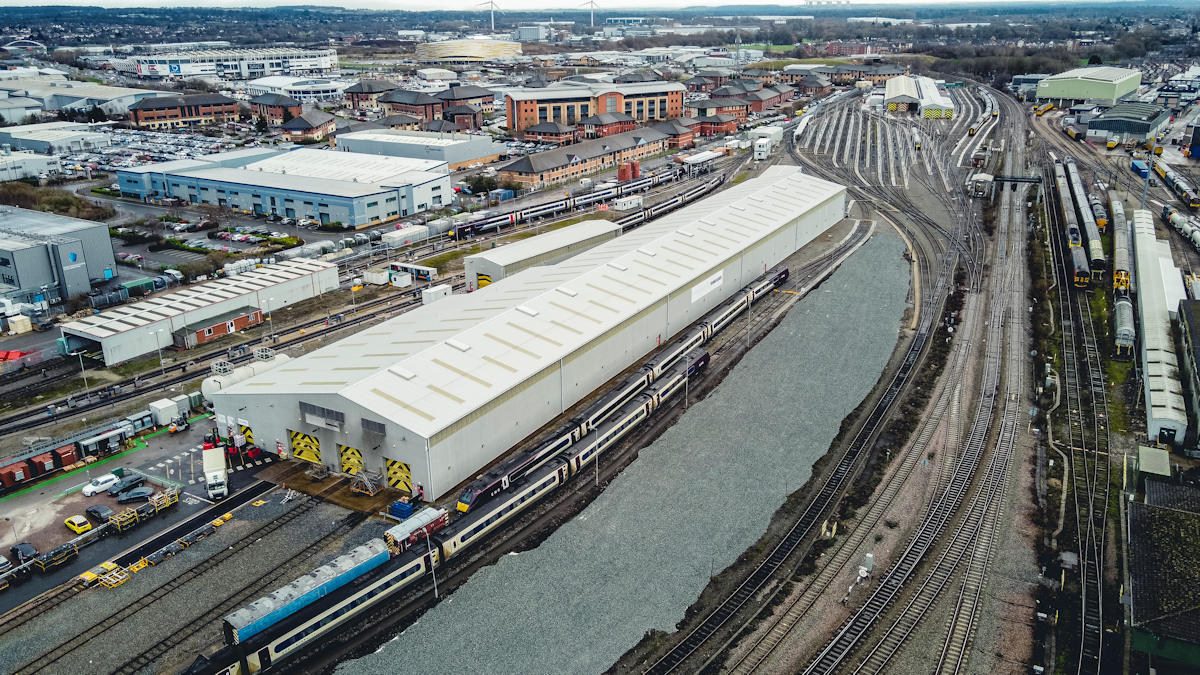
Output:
[[548, 5]]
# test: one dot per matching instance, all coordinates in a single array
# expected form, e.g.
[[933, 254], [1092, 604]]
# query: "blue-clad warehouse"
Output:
[[353, 189]]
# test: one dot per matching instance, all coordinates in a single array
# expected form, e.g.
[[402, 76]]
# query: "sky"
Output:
[[548, 5]]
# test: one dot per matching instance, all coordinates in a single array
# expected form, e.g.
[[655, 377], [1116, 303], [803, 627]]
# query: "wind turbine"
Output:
[[490, 4], [592, 4]]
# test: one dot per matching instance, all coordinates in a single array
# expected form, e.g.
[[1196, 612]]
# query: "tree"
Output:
[[1095, 60], [30, 119], [96, 114], [260, 124], [287, 115]]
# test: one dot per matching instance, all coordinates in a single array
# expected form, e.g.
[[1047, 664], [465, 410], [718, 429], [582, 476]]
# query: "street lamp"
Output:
[[267, 305], [161, 369], [83, 373]]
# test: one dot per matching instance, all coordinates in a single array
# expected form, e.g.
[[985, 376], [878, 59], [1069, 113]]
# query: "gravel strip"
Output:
[[688, 506], [177, 610]]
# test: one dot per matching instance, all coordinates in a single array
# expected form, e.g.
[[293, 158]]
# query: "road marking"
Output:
[[159, 465], [192, 481]]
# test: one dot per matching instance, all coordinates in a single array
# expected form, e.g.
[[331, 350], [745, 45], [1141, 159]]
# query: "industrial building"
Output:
[[490, 266], [45, 258], [231, 64], [13, 109], [1166, 410], [350, 188], [457, 150], [54, 137], [437, 393], [199, 313], [570, 101], [1131, 121], [1103, 85], [1189, 329], [917, 93], [54, 94], [303, 89], [467, 51], [26, 164]]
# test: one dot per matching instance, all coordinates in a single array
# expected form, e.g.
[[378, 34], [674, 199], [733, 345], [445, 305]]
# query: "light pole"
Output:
[[268, 312], [161, 369], [82, 373]]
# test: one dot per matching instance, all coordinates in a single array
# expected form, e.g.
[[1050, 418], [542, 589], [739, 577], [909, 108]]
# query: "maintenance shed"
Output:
[[130, 331], [545, 249], [437, 393], [1131, 121], [1104, 85], [1166, 410]]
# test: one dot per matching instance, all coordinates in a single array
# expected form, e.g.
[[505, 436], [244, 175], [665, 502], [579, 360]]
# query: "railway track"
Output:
[[944, 509], [81, 638], [267, 579], [846, 463], [1088, 439]]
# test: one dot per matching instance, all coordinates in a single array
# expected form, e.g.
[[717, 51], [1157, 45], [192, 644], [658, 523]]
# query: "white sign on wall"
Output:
[[707, 286]]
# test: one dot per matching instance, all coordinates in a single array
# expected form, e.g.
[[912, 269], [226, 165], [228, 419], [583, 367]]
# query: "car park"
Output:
[[23, 552], [126, 483], [138, 494], [78, 524], [99, 484], [99, 512]]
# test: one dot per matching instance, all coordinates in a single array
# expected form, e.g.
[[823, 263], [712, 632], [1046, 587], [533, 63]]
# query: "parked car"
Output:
[[99, 512], [140, 494], [78, 524], [99, 484], [23, 552], [126, 483], [5, 565]]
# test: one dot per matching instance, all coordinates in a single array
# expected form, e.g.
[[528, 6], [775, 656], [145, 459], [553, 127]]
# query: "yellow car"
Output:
[[78, 524]]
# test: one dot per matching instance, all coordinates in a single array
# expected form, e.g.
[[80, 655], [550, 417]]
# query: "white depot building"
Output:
[[435, 394]]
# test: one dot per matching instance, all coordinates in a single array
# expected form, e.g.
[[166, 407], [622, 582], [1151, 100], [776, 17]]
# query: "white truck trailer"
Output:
[[215, 473]]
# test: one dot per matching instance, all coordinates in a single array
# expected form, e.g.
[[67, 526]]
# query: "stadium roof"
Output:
[[429, 368]]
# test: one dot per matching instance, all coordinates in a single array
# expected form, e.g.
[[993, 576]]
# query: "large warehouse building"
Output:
[[350, 188], [435, 394], [916, 93], [457, 150], [1131, 121], [54, 137], [46, 257], [1102, 85], [188, 316], [492, 265]]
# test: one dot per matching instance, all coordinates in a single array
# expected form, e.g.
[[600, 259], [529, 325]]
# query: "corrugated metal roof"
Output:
[[1164, 392], [1108, 74], [127, 317], [544, 243], [430, 367]]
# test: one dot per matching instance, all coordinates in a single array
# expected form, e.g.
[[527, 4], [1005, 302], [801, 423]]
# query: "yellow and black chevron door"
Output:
[[398, 475], [305, 447], [351, 459], [248, 433], [484, 279]]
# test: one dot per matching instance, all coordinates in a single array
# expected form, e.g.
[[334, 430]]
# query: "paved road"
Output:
[[37, 516]]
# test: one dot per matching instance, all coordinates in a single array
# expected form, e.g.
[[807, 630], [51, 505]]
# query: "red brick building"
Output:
[[174, 112], [552, 132], [364, 94], [681, 133], [701, 85], [607, 124], [217, 327], [568, 103], [716, 125], [314, 125], [736, 107], [274, 106], [464, 116], [412, 103], [468, 94]]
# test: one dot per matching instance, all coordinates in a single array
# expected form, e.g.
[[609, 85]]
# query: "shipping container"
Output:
[[377, 276], [624, 172], [139, 287], [163, 410], [1140, 168], [636, 166], [13, 474], [65, 456], [41, 464]]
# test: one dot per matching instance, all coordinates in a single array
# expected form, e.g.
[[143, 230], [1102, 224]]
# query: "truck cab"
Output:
[[216, 476]]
